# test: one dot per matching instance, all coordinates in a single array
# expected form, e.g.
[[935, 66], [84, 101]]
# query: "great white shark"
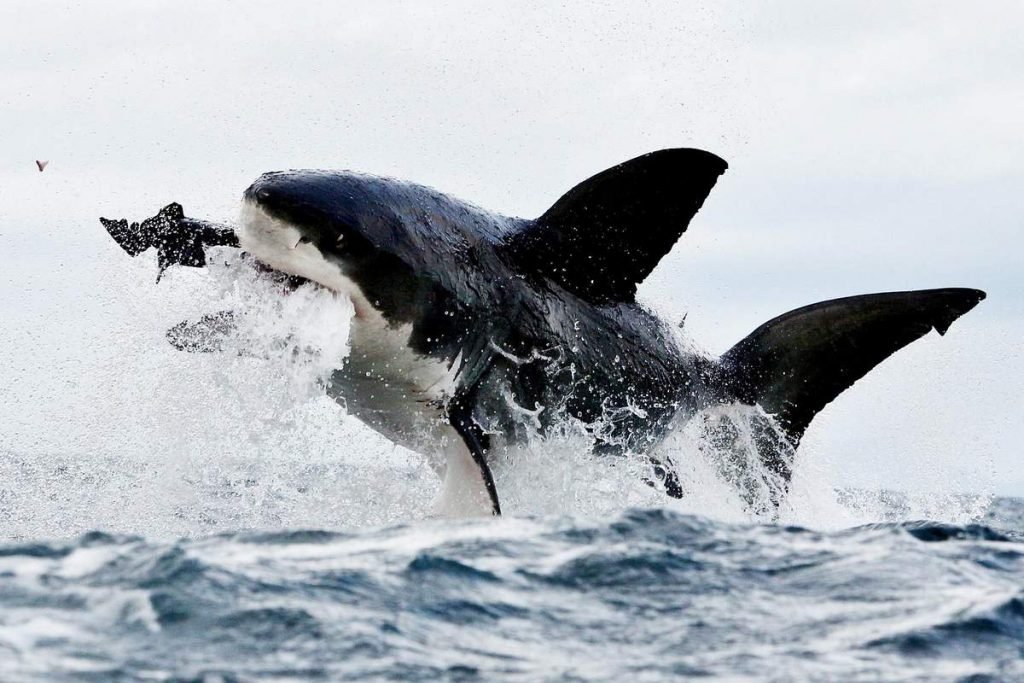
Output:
[[471, 328]]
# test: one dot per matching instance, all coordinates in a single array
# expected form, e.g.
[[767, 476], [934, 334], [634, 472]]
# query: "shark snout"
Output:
[[259, 230], [268, 192]]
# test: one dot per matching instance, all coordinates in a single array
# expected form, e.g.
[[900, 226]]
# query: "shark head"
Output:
[[331, 228]]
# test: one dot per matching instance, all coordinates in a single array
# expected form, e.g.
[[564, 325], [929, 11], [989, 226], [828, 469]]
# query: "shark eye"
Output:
[[305, 240]]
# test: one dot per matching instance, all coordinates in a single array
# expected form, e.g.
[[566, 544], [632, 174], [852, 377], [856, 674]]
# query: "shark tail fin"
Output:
[[796, 364]]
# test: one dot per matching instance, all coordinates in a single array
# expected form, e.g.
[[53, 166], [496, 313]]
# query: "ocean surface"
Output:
[[214, 517], [646, 595]]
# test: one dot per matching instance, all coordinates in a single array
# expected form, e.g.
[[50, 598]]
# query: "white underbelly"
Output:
[[393, 389]]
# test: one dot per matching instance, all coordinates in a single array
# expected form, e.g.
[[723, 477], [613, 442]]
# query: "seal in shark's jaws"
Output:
[[471, 328]]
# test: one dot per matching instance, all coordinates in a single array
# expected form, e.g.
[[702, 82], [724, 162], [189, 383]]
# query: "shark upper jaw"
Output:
[[285, 247]]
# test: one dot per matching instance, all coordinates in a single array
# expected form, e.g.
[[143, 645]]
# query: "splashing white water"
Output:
[[123, 433]]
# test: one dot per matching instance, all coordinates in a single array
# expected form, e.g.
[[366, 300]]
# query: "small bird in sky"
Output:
[[41, 164]]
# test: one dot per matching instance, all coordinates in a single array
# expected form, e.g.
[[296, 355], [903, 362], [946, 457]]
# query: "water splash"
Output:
[[164, 443]]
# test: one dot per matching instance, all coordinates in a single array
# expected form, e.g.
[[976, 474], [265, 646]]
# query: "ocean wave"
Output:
[[648, 595]]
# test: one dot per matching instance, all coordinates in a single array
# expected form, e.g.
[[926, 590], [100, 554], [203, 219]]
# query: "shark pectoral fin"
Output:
[[606, 235], [468, 488], [796, 364]]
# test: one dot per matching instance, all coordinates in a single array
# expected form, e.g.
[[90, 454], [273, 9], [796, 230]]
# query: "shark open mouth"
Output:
[[282, 246], [287, 282]]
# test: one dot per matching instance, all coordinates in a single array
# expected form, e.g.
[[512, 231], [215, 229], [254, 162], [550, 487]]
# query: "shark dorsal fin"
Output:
[[606, 235]]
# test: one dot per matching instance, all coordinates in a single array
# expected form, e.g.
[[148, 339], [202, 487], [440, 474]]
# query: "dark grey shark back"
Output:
[[597, 242], [433, 234]]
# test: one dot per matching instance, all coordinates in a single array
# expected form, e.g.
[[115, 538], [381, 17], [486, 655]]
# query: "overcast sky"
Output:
[[872, 146]]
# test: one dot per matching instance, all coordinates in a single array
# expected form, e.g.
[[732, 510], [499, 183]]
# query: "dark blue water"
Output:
[[649, 595]]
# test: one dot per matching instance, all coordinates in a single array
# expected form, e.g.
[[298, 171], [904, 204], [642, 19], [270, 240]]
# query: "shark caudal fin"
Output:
[[794, 365]]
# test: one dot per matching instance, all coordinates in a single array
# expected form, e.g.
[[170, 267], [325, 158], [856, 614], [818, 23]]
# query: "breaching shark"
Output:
[[472, 328]]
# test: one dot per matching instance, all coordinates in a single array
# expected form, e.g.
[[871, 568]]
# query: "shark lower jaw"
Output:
[[280, 246]]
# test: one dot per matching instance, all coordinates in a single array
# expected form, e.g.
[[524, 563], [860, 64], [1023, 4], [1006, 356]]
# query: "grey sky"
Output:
[[873, 146]]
